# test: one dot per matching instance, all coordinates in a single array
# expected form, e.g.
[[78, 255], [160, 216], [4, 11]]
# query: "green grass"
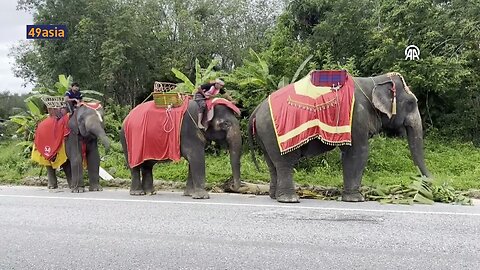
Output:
[[389, 163]]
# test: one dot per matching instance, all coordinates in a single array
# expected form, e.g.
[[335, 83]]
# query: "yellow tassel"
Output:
[[394, 106]]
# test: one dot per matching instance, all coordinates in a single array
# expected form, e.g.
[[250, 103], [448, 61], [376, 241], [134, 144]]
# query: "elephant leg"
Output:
[[77, 184], [285, 188], [189, 188], [147, 178], [273, 177], [197, 166], [93, 166], [68, 172], [354, 159], [136, 185], [74, 153], [52, 178]]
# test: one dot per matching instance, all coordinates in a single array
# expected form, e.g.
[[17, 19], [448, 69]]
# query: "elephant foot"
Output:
[[150, 192], [95, 188], [188, 192], [288, 198], [272, 193], [52, 187], [137, 192], [234, 186], [78, 190], [200, 195], [352, 197]]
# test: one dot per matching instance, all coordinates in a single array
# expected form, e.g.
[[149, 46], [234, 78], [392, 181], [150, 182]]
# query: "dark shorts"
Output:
[[200, 99]]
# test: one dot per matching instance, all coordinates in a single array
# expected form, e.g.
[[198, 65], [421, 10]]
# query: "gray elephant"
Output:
[[86, 128], [224, 128], [373, 105]]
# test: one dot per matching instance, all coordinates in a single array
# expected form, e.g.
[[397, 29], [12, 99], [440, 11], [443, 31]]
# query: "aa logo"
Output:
[[412, 52]]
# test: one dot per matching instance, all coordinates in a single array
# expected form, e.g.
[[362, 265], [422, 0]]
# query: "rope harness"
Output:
[[168, 119], [375, 84]]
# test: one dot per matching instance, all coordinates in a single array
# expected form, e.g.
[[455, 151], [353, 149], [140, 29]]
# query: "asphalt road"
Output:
[[41, 229]]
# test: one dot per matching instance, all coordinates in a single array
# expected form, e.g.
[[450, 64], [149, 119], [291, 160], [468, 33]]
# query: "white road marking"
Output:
[[252, 205]]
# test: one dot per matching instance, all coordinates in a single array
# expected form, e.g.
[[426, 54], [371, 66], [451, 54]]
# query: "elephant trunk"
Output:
[[97, 130], [234, 139], [415, 143]]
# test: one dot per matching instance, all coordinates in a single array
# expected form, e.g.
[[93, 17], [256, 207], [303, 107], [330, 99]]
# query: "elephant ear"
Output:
[[382, 98]]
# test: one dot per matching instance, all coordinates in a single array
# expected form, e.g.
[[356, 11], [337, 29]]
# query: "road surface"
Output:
[[42, 229]]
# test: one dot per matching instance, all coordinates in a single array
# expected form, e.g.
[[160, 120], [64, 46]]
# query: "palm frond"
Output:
[[300, 68]]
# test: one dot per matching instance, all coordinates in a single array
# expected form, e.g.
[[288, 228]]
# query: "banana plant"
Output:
[[27, 122], [284, 80], [255, 80], [202, 75], [60, 87], [256, 74]]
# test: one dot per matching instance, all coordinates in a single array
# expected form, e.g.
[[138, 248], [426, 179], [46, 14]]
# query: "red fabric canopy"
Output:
[[152, 133]]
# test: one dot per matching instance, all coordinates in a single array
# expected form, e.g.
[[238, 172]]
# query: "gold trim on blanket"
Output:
[[309, 107], [313, 123], [305, 87], [273, 121]]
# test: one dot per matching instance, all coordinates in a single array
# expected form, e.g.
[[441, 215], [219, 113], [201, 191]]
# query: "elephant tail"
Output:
[[251, 136]]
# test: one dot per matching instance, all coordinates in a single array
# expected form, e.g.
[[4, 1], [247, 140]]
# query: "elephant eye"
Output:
[[411, 104]]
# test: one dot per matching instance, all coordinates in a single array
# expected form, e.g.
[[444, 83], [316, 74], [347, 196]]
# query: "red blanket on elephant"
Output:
[[153, 133], [49, 135], [211, 103], [303, 111]]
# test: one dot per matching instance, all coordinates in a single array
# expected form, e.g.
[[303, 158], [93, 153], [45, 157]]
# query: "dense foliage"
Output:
[[122, 47]]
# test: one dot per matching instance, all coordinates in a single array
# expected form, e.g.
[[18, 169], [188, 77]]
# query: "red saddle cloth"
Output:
[[304, 110], [49, 135], [152, 133], [211, 103]]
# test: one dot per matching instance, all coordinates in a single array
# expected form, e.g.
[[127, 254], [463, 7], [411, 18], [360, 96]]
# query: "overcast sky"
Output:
[[12, 30]]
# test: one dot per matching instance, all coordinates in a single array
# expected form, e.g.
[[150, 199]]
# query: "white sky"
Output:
[[12, 29]]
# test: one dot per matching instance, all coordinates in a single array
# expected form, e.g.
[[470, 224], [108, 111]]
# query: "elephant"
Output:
[[224, 129], [372, 111], [86, 127]]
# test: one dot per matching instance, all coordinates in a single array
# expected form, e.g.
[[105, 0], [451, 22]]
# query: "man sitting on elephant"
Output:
[[73, 97], [206, 91]]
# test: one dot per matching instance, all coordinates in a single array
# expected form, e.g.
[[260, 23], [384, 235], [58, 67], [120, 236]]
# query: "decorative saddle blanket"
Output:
[[91, 105], [319, 106], [50, 134], [49, 145], [211, 103], [153, 133]]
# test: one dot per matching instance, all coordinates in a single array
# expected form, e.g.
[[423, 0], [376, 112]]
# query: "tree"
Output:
[[121, 47]]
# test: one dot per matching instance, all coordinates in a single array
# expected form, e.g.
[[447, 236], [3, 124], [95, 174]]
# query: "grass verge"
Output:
[[451, 162]]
